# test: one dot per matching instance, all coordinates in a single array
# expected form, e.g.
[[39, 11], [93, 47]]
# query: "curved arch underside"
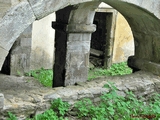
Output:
[[142, 16]]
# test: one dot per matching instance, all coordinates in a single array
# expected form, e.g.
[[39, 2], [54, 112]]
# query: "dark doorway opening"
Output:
[[102, 39]]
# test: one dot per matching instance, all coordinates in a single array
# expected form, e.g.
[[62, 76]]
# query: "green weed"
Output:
[[111, 107], [116, 69], [59, 106], [44, 76], [11, 116], [47, 115], [115, 107], [56, 112]]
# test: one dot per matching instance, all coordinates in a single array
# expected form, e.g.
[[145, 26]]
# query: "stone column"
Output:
[[72, 49], [78, 50], [72, 44]]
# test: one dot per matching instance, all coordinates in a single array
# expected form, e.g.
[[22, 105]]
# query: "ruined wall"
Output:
[[123, 42]]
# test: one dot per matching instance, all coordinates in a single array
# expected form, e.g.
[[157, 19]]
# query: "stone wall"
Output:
[[18, 60], [31, 98], [42, 50]]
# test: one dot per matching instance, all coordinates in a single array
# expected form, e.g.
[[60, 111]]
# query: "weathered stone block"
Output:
[[81, 28], [19, 64], [143, 64], [15, 22], [12, 24], [78, 46], [44, 7], [26, 42], [1, 100], [79, 37]]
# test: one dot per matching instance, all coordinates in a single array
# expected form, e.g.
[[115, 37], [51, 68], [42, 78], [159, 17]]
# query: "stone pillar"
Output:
[[78, 50], [72, 49]]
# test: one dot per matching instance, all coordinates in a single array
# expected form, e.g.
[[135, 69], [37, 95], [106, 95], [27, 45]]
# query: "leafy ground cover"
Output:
[[46, 76], [111, 107], [116, 69]]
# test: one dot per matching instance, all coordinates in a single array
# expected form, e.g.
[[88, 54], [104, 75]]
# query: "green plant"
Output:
[[86, 108], [119, 69], [116, 69], [11, 116], [47, 115], [59, 106], [114, 107], [44, 76], [111, 107]]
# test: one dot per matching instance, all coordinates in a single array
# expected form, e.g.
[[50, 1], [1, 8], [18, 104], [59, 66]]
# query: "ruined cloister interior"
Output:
[[74, 26]]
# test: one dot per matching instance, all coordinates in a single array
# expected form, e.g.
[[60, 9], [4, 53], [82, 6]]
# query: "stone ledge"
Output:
[[143, 64], [24, 100]]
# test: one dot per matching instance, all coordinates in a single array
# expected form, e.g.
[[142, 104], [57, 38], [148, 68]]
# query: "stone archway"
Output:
[[137, 17], [145, 26], [141, 17]]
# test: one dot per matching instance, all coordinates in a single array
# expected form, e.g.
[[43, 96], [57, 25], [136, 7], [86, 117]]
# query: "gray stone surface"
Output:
[[20, 53], [24, 96], [44, 7], [14, 22], [1, 101]]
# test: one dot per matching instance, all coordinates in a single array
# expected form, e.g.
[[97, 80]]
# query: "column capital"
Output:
[[74, 28], [81, 28]]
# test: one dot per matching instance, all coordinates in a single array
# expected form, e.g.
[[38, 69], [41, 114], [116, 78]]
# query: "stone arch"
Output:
[[15, 21], [141, 17], [145, 26], [137, 17]]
